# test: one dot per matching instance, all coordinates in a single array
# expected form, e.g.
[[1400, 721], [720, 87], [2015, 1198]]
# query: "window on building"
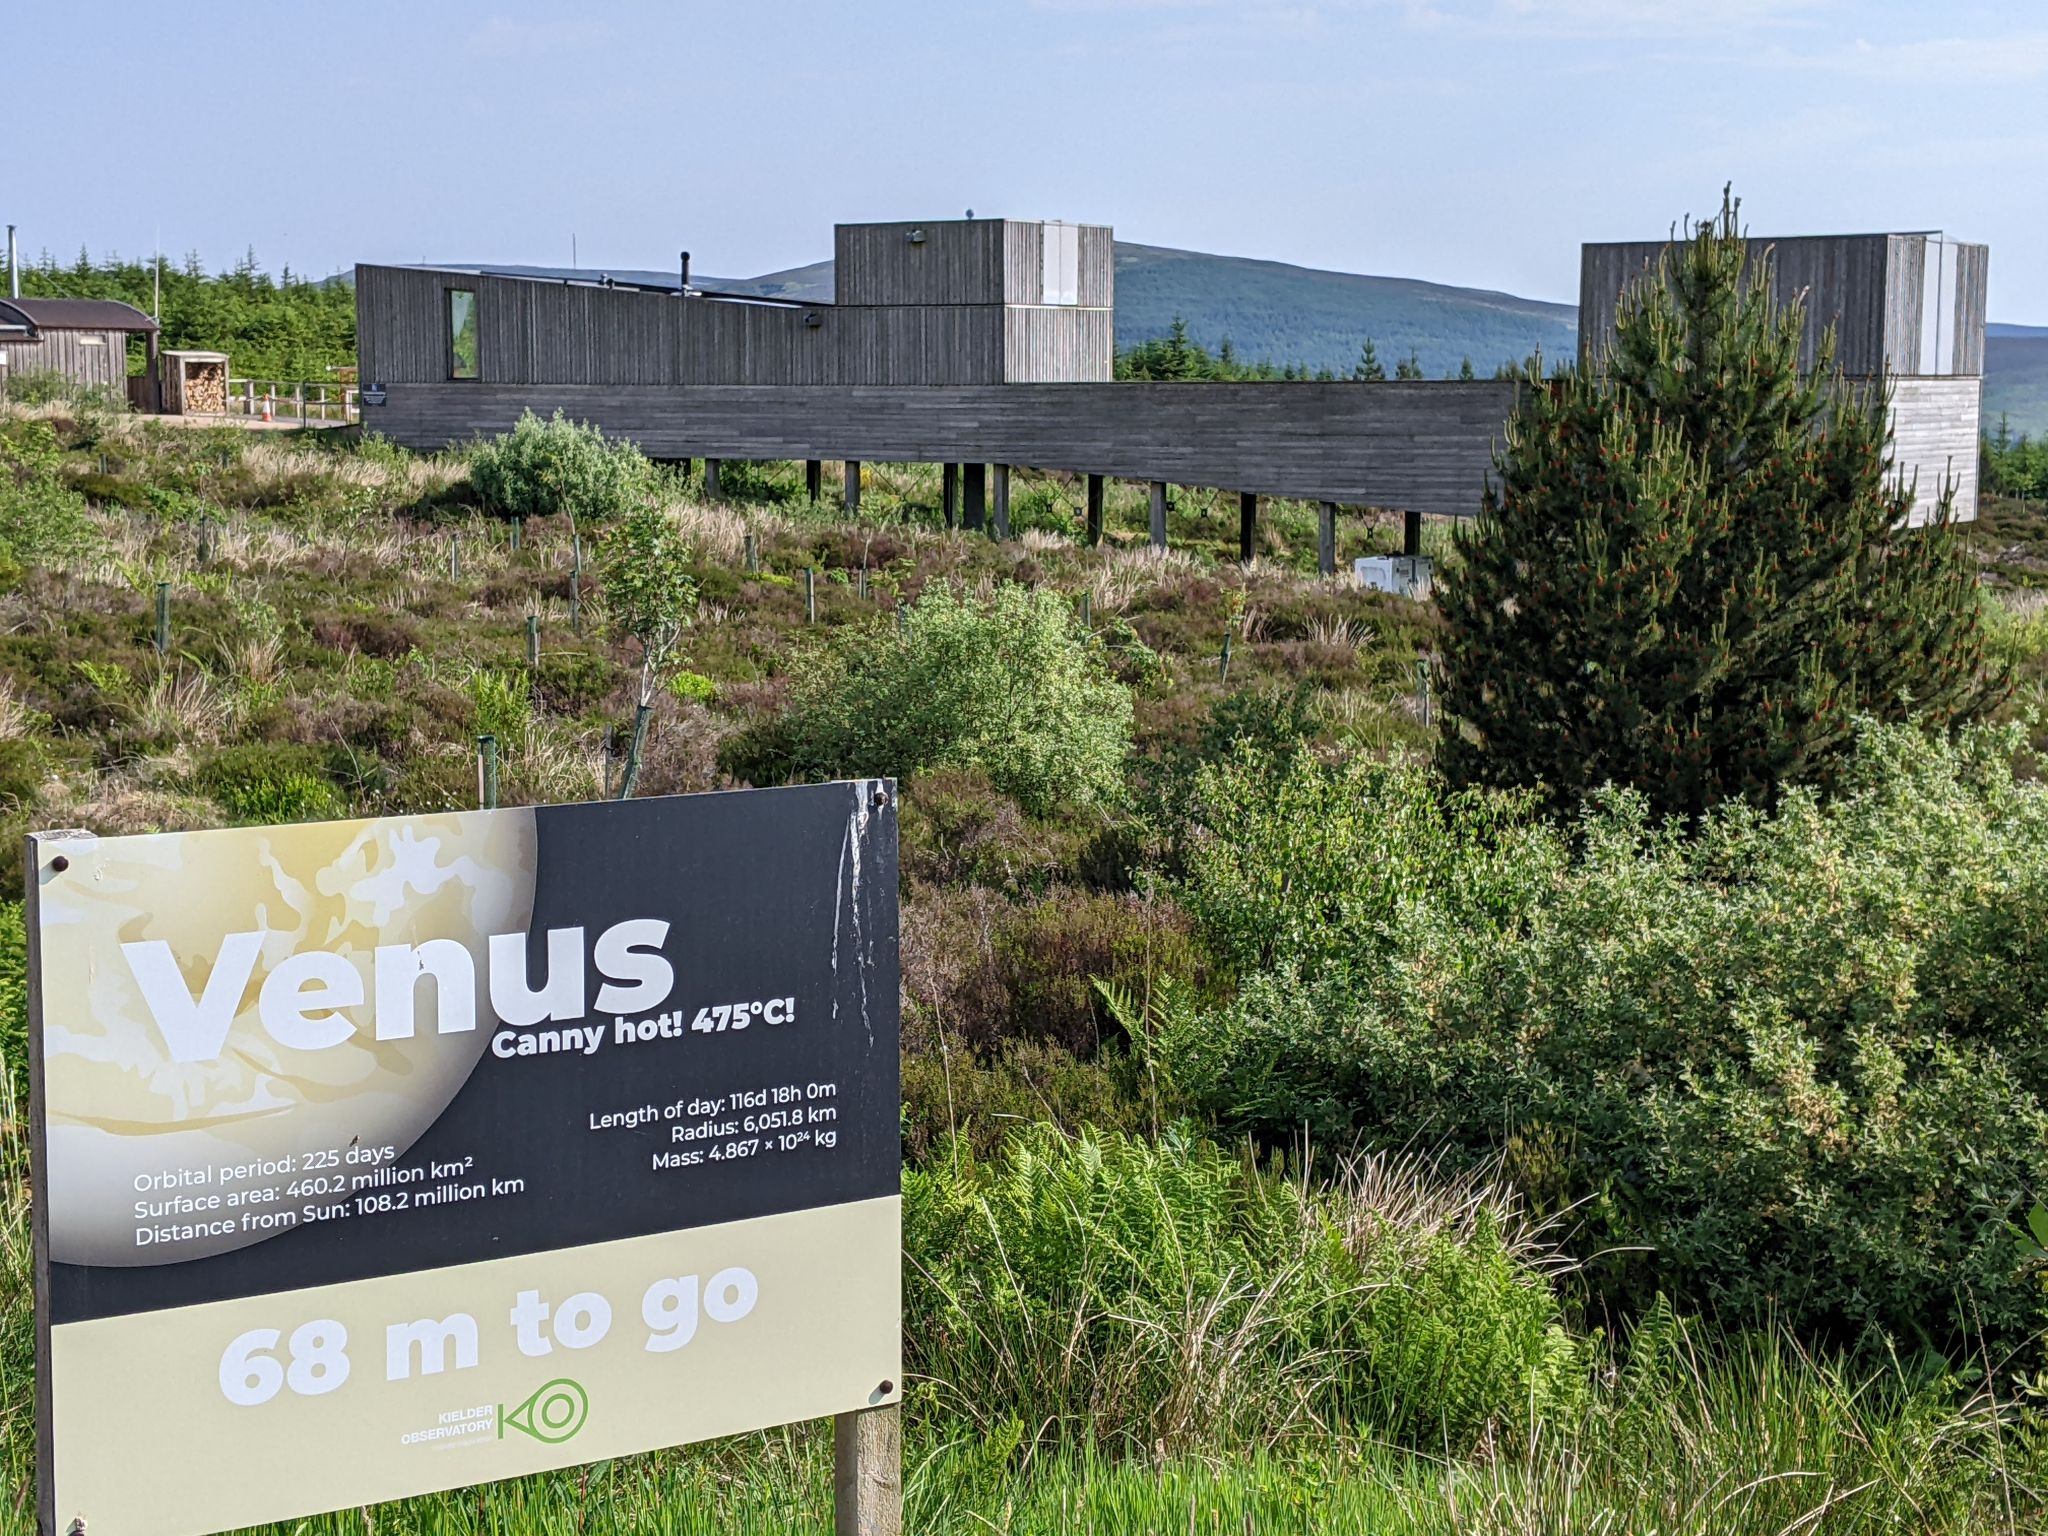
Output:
[[461, 333], [1060, 264]]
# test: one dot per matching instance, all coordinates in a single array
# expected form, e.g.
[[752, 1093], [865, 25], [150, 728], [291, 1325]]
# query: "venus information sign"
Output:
[[380, 1157]]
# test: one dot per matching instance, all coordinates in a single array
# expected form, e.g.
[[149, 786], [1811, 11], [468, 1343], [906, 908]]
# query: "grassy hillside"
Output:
[[1201, 1338]]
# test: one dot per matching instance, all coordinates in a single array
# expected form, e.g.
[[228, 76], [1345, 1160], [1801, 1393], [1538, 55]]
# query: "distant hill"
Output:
[[1272, 312], [2016, 380]]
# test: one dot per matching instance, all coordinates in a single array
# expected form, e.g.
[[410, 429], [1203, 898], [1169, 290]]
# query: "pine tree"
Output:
[[1465, 370], [1693, 573], [1369, 365], [1409, 367]]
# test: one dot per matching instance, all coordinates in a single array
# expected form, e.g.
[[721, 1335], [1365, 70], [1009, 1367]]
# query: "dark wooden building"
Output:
[[990, 343], [83, 340]]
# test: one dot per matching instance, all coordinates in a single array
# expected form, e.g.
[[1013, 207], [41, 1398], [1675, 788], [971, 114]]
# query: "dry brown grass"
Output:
[[122, 801], [17, 720], [276, 466], [184, 706]]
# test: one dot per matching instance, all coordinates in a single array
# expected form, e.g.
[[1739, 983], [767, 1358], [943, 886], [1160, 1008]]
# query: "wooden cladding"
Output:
[[532, 332], [1420, 447], [1423, 447], [1901, 304], [1935, 426], [84, 357], [948, 262], [971, 261]]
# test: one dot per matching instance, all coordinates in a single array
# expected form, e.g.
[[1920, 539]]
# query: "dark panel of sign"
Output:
[[678, 1012]]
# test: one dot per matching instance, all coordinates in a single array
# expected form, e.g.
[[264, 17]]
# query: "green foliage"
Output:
[[1169, 1295], [1795, 1058], [14, 998], [1691, 575], [47, 386], [42, 520], [262, 783], [1133, 661], [1176, 356], [1006, 684], [692, 686], [965, 1102], [1294, 861], [281, 328], [2016, 466], [500, 706], [649, 594], [574, 681], [558, 468], [107, 677]]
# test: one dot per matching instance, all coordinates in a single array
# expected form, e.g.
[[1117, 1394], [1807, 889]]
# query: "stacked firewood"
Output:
[[206, 389]]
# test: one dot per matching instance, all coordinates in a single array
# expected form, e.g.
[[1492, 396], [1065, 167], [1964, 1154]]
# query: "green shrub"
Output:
[[1172, 1295], [1693, 566], [1007, 684], [1798, 1058], [960, 1100], [21, 769], [758, 480], [571, 682], [500, 706], [956, 828], [558, 468], [260, 783], [1135, 662], [693, 686], [47, 386], [14, 998], [41, 519]]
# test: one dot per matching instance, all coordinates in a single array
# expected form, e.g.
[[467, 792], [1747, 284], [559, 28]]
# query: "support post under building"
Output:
[[949, 493], [1247, 525], [1094, 510], [1326, 537], [974, 496], [1411, 533], [814, 480], [853, 485], [711, 479], [1001, 499], [1159, 514]]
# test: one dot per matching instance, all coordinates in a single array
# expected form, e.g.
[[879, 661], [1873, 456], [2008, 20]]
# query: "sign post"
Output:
[[375, 1158]]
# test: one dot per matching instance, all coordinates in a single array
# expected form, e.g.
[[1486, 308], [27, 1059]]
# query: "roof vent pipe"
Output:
[[685, 288], [13, 266]]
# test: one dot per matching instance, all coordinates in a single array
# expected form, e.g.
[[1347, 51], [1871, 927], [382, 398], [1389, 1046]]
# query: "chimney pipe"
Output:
[[686, 274], [13, 266]]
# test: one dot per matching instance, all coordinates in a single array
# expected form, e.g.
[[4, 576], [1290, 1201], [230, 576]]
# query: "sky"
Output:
[[1474, 142]]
